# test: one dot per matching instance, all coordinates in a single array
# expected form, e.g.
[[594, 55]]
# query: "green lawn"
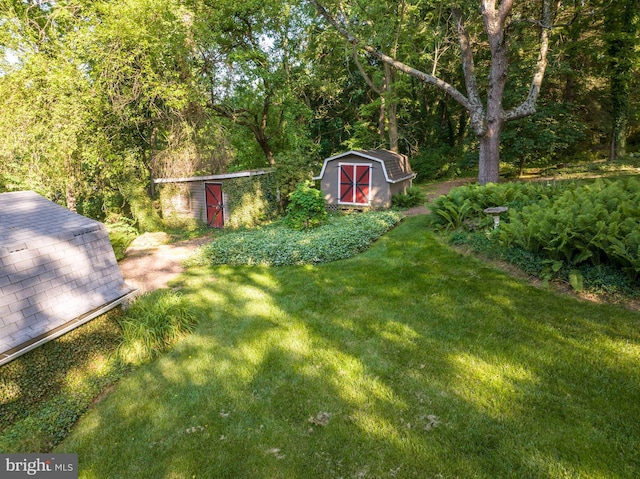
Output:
[[408, 361]]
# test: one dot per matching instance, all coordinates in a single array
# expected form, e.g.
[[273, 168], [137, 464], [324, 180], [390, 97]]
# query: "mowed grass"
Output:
[[408, 361]]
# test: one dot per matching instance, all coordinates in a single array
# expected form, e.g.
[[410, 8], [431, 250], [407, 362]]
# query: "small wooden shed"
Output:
[[57, 271], [364, 178], [227, 199]]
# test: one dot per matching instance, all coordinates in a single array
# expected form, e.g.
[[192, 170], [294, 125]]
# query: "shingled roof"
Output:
[[396, 166], [55, 267]]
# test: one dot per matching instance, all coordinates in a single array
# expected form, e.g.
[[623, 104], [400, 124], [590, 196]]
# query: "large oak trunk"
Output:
[[489, 162]]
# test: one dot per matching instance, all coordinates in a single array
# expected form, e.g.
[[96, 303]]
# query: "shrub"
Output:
[[306, 207], [558, 231], [466, 204], [153, 323], [142, 208], [444, 162], [598, 223], [413, 197], [121, 234], [274, 245]]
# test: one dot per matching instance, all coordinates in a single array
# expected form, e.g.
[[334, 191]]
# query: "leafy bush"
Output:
[[413, 197], [292, 168], [466, 204], [556, 231], [121, 233], [341, 237], [444, 162], [141, 207], [153, 323], [306, 207], [598, 223]]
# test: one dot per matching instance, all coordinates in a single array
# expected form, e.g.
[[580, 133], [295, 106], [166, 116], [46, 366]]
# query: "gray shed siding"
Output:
[[186, 198], [55, 266], [195, 205], [380, 194]]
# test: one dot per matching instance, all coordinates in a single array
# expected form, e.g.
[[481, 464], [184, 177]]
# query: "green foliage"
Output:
[[596, 223], [141, 207], [467, 203], [275, 245], [306, 208], [292, 169], [440, 163], [413, 197], [252, 200], [45, 391], [545, 138], [153, 323], [565, 225], [121, 233]]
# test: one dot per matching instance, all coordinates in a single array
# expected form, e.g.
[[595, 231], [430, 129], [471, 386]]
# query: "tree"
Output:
[[248, 61], [486, 120], [621, 22]]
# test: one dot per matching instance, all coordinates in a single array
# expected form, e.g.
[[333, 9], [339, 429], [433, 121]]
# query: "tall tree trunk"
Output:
[[622, 33], [392, 108], [489, 162]]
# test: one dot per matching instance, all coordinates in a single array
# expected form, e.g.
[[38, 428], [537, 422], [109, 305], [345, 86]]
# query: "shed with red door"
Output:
[[364, 178], [237, 199]]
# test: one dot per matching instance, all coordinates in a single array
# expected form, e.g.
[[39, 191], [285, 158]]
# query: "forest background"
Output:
[[100, 97]]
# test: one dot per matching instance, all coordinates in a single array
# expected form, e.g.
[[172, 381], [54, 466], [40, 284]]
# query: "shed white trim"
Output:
[[221, 176]]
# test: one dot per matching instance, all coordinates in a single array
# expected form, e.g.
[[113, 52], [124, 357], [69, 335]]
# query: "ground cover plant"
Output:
[[342, 236], [408, 360], [582, 232], [44, 392]]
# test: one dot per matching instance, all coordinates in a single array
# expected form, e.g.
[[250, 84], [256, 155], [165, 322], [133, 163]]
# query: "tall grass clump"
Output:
[[153, 323], [121, 232]]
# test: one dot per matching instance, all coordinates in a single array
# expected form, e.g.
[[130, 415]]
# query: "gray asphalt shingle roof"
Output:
[[55, 266]]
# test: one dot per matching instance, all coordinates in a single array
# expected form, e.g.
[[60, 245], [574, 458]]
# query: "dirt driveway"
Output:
[[151, 263]]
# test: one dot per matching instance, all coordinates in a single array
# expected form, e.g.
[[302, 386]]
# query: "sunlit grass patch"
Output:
[[405, 361]]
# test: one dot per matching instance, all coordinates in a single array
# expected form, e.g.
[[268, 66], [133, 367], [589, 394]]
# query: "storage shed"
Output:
[[57, 271], [364, 178], [227, 199]]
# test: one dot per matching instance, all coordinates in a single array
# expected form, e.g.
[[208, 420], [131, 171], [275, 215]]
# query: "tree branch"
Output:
[[528, 106], [424, 77], [468, 69], [366, 77]]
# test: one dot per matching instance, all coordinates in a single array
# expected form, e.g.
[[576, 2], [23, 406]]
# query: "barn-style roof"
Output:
[[395, 166], [56, 269]]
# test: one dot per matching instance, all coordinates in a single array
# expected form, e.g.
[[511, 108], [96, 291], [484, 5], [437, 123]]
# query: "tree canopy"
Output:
[[100, 96]]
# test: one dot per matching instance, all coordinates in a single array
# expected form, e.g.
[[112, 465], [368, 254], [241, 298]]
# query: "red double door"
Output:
[[215, 212], [355, 184]]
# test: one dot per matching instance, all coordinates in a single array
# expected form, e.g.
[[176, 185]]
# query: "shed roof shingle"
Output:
[[396, 165]]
